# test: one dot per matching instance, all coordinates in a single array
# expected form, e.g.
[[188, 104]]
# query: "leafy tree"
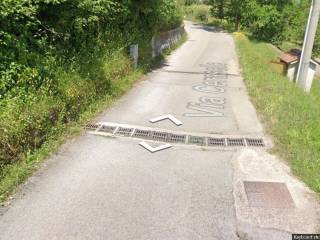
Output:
[[218, 8], [271, 20]]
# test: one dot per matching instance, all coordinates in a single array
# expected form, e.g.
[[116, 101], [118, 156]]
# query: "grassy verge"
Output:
[[287, 46], [290, 115], [15, 174]]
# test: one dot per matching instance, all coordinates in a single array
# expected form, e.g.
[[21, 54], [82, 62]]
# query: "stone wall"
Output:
[[165, 40]]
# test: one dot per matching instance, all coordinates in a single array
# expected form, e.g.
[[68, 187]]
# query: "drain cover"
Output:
[[139, 133], [124, 131], [216, 141], [197, 140], [235, 142], [159, 136], [268, 195], [107, 129], [255, 142], [91, 126], [176, 138]]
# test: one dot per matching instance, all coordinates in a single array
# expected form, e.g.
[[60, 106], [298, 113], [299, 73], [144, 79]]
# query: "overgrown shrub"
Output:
[[24, 124], [273, 21], [223, 24], [268, 23], [59, 56], [202, 13], [199, 12]]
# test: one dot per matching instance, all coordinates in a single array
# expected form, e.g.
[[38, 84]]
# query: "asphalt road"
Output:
[[98, 187]]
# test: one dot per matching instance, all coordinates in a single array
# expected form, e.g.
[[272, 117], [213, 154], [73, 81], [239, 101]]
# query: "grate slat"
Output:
[[235, 142], [176, 138], [122, 131], [159, 136], [216, 141], [107, 129], [91, 126], [139, 133], [255, 142]]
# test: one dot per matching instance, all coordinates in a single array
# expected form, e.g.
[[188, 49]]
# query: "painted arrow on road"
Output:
[[170, 117], [154, 149]]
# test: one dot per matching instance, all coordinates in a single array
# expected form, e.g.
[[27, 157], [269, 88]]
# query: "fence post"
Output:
[[153, 44], [134, 53]]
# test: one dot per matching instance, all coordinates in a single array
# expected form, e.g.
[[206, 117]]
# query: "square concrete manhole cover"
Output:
[[268, 195]]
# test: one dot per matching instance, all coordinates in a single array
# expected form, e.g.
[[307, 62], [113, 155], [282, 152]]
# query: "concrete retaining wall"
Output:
[[165, 40]]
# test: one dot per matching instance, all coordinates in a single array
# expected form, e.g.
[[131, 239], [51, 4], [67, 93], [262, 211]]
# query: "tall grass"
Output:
[[291, 116]]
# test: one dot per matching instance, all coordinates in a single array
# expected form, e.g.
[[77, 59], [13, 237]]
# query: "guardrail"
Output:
[[165, 40]]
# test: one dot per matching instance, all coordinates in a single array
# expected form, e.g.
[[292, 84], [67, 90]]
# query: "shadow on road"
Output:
[[208, 28]]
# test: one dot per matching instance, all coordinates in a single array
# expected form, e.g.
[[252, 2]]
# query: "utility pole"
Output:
[[308, 46]]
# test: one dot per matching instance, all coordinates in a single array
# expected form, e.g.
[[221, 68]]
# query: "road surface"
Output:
[[100, 187]]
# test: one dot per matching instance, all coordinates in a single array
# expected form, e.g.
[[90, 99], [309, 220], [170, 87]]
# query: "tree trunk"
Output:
[[238, 18], [221, 9]]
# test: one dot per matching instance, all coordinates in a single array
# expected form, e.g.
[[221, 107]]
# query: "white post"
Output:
[[134, 53], [153, 44], [302, 76]]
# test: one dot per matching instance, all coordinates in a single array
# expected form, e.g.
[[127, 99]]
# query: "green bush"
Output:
[[224, 24], [24, 124], [59, 56], [198, 12], [268, 23], [273, 21], [202, 13]]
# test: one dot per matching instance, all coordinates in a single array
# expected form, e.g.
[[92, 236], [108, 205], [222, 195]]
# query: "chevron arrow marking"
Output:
[[154, 149], [170, 117]]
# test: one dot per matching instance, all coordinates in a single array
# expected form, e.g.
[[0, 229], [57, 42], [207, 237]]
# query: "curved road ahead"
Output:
[[99, 187]]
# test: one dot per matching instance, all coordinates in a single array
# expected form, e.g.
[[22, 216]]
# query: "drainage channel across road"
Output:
[[160, 135]]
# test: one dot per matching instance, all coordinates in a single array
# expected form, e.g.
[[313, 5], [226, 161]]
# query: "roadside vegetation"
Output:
[[61, 61], [289, 114], [197, 12], [280, 22]]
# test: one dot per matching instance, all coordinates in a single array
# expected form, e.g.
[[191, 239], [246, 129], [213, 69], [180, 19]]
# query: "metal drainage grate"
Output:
[[159, 136], [107, 129], [176, 138], [197, 140], [91, 126], [255, 142], [235, 142], [124, 131], [139, 133], [216, 141]]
